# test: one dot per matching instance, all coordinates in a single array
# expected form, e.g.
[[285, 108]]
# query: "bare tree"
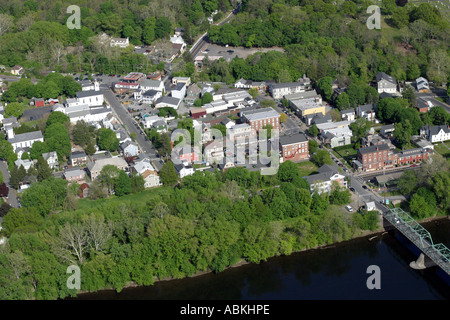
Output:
[[99, 232], [6, 22], [72, 243], [24, 23]]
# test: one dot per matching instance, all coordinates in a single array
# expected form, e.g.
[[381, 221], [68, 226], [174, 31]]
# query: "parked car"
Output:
[[350, 209], [365, 187], [352, 189]]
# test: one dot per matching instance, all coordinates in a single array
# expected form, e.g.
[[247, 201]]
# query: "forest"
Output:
[[206, 223]]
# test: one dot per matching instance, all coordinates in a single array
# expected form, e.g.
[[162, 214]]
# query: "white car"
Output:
[[350, 209]]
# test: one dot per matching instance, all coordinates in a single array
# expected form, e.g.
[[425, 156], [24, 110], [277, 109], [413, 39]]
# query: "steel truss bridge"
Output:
[[418, 235]]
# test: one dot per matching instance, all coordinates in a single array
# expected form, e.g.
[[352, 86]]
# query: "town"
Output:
[[161, 140]]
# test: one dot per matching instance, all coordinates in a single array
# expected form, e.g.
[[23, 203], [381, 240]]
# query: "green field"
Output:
[[443, 149], [306, 168]]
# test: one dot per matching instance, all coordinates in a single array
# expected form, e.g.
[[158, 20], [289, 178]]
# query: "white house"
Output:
[[324, 180], [51, 158], [348, 114], [120, 42], [386, 83], [179, 91], [184, 170], [91, 98], [151, 178], [435, 133], [23, 140], [167, 101], [129, 149], [26, 164]]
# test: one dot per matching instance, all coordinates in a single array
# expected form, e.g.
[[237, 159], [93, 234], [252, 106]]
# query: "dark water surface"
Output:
[[336, 272]]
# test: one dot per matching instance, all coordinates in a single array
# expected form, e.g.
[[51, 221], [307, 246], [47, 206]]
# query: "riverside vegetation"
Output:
[[206, 223]]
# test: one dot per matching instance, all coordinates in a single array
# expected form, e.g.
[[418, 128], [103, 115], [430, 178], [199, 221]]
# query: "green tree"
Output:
[[44, 171], [322, 157], [324, 87], [313, 130], [107, 140], [168, 174], [122, 184], [57, 117], [342, 101], [207, 98], [57, 139], [82, 133], [14, 109], [402, 133], [359, 128]]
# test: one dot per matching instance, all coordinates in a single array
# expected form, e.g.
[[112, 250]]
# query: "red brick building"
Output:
[[294, 147], [259, 118]]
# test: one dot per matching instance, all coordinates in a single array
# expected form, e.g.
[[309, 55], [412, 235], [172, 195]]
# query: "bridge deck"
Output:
[[418, 235]]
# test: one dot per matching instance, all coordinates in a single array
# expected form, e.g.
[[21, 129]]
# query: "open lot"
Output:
[[228, 53]]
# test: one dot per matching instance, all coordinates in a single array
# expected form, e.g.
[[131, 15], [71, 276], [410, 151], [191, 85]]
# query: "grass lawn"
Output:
[[306, 168], [442, 149], [348, 154], [135, 198]]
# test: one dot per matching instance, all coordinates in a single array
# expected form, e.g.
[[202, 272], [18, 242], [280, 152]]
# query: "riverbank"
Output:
[[370, 235]]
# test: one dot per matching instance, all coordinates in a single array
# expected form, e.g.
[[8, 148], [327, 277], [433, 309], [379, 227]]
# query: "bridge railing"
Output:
[[439, 253]]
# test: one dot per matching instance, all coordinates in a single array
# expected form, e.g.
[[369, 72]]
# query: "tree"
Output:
[[313, 146], [37, 149], [265, 103], [313, 130], [322, 157], [21, 220], [360, 128], [14, 109], [6, 22], [44, 171], [253, 92], [81, 133], [122, 184], [57, 139], [402, 133], [168, 174], [324, 87], [7, 152], [90, 148], [410, 94], [107, 140], [342, 101], [57, 117], [163, 27], [407, 182], [439, 115], [108, 176], [165, 147], [137, 183], [207, 98]]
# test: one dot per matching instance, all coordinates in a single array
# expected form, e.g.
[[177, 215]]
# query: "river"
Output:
[[335, 272]]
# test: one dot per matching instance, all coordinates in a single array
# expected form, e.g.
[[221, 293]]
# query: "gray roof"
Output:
[[27, 136], [168, 100], [77, 154], [346, 111], [84, 94], [150, 93], [291, 139], [434, 130], [366, 107], [36, 113], [372, 149], [383, 76], [287, 85], [179, 86]]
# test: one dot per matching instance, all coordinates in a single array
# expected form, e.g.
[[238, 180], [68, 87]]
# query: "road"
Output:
[[432, 98], [129, 123], [12, 194]]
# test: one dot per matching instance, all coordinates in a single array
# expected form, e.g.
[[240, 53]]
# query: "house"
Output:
[[423, 105], [294, 147], [189, 155], [96, 166], [184, 170], [120, 42], [91, 98], [366, 111], [78, 158], [226, 165], [167, 101], [151, 179], [337, 137], [51, 158], [39, 102], [160, 126], [149, 96], [228, 123], [23, 140], [26, 164], [387, 130], [129, 149], [279, 90], [422, 85], [148, 120], [192, 94], [348, 114], [214, 151], [435, 133], [185, 80], [370, 206], [150, 84], [75, 175], [386, 83], [179, 90], [324, 180], [17, 70], [197, 113]]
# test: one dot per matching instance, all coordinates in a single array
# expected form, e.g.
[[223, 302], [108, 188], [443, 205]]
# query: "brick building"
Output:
[[259, 118], [294, 147]]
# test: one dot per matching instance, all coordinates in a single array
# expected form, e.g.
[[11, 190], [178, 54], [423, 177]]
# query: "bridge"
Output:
[[404, 223]]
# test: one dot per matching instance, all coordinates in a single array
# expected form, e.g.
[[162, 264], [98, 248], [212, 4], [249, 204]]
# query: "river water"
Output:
[[335, 272]]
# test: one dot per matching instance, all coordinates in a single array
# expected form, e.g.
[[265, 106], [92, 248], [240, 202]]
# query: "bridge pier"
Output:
[[422, 263]]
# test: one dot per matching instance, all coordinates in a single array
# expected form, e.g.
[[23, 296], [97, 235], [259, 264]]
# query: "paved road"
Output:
[[431, 97], [130, 124], [12, 194]]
